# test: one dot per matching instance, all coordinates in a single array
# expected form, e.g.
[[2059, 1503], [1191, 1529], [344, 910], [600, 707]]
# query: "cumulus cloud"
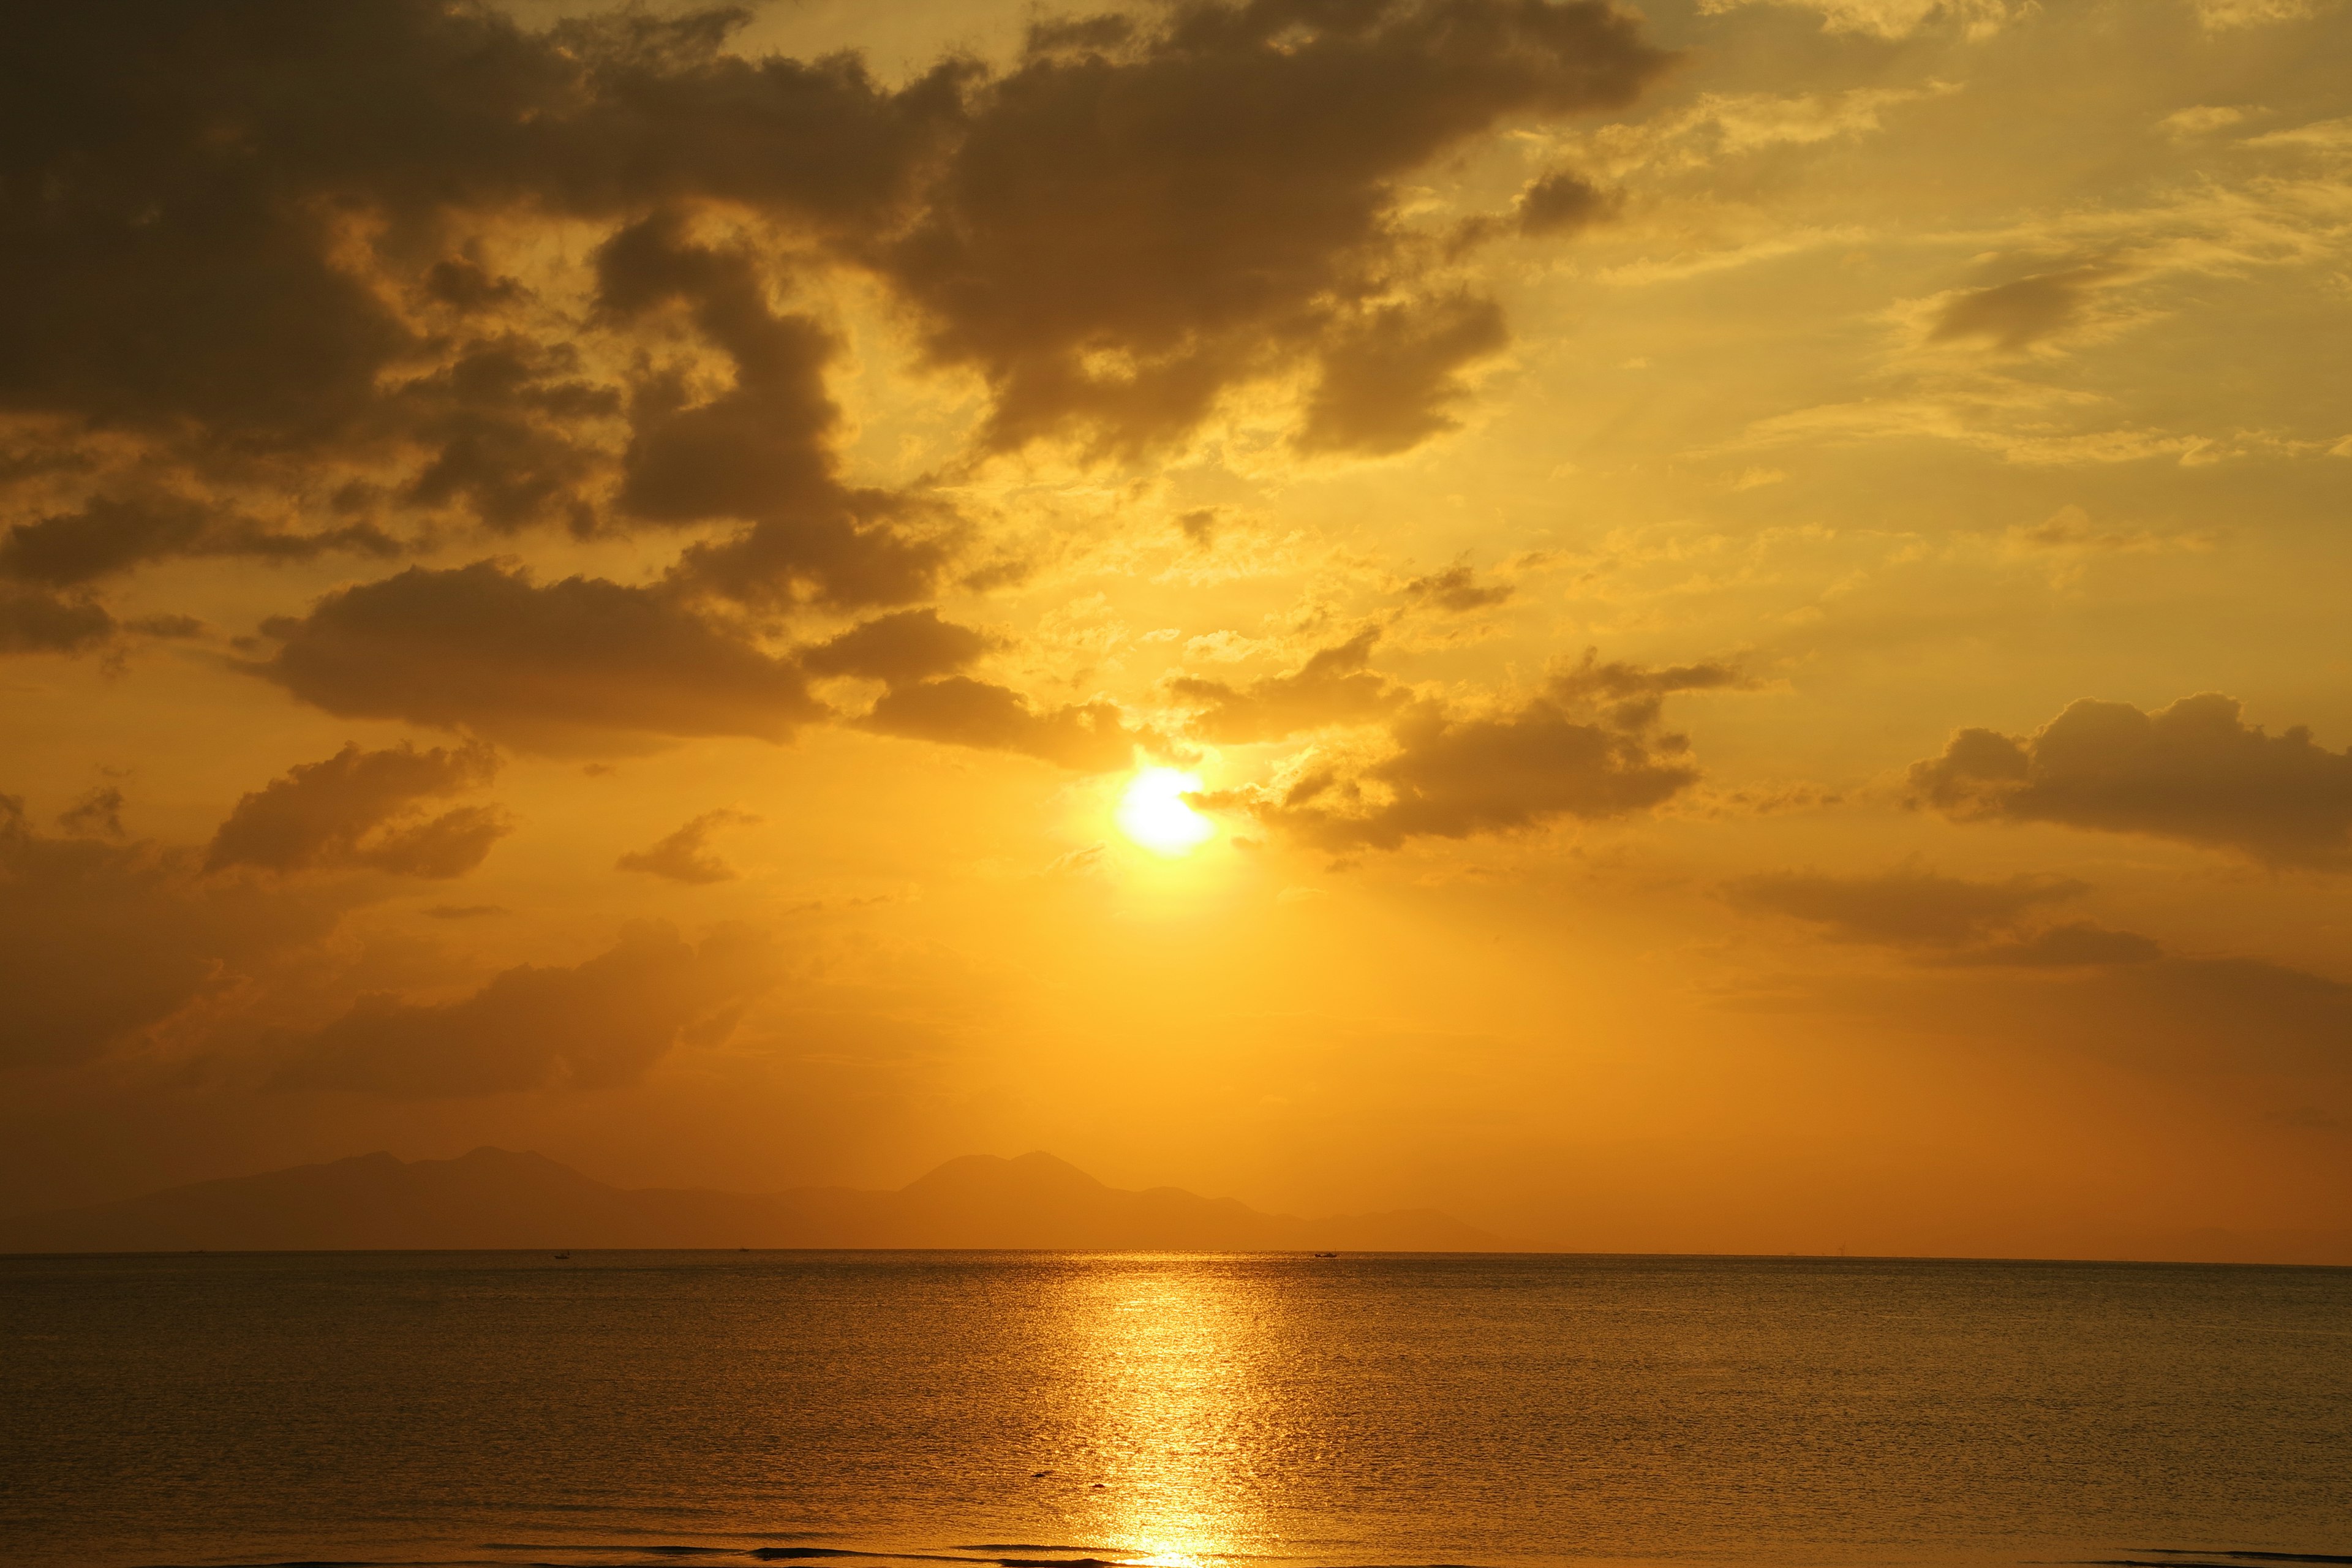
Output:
[[1223, 207], [128, 204], [686, 854], [364, 808], [760, 451], [575, 664], [389, 326], [598, 1025], [1590, 747], [2194, 772]]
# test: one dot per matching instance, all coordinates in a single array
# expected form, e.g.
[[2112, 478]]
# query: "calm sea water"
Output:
[[639, 1407]]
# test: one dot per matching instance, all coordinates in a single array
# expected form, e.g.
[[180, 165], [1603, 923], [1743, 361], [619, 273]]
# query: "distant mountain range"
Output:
[[496, 1198]]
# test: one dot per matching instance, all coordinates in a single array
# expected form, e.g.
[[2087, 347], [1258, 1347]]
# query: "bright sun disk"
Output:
[[1152, 811]]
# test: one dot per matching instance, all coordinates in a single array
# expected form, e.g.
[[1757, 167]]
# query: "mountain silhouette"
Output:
[[495, 1198]]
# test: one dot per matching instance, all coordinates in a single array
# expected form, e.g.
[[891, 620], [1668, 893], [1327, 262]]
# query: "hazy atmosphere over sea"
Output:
[[1710, 628]]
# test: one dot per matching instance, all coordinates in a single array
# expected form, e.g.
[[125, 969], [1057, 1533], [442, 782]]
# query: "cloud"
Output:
[[905, 646], [1590, 747], [2200, 119], [1904, 907], [1898, 18], [685, 856], [98, 814], [599, 1024], [2015, 316], [1222, 207], [1565, 202], [1335, 686], [36, 622], [2221, 14], [1457, 591], [129, 203], [2076, 945], [957, 711], [758, 451], [100, 940], [2194, 772], [578, 664], [395, 337], [110, 533], [1390, 378], [362, 809], [507, 422]]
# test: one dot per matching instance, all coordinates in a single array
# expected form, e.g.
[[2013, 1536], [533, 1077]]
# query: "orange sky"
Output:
[[1734, 609]]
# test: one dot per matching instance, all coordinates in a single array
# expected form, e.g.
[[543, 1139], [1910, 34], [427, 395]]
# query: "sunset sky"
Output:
[[1717, 628]]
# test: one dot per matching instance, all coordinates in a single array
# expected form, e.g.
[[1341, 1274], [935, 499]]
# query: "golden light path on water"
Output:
[[1181, 1412]]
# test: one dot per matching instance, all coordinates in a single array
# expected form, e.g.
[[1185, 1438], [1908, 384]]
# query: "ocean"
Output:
[[1020, 1408]]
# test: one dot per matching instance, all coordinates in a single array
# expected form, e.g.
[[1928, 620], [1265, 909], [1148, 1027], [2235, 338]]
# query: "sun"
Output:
[[1152, 811]]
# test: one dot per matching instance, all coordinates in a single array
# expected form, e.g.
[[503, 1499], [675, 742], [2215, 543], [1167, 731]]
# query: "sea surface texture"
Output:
[[1020, 1408]]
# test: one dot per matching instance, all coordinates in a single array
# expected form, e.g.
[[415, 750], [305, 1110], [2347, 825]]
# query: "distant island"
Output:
[[496, 1198]]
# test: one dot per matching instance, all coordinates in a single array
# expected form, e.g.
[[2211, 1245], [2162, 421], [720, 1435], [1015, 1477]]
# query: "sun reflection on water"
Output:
[[1174, 1357]]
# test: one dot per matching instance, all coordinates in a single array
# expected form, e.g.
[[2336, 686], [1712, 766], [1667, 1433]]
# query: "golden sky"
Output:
[[1717, 628]]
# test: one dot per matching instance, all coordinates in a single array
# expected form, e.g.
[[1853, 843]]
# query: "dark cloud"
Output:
[[229, 237], [111, 534], [1221, 205], [1199, 525], [599, 1024], [2016, 316], [154, 159], [686, 855], [279, 251], [100, 939], [1564, 201], [510, 423], [760, 451], [1944, 919], [1590, 747], [2193, 772], [902, 646], [365, 808], [1457, 591], [915, 652], [1389, 378], [97, 813], [579, 663], [1903, 907], [2077, 945], [35, 622], [1335, 686], [957, 711]]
